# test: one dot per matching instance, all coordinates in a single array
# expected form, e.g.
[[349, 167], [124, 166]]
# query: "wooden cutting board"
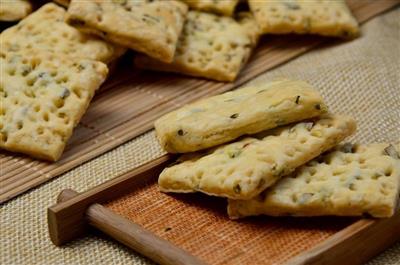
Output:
[[127, 105], [194, 228]]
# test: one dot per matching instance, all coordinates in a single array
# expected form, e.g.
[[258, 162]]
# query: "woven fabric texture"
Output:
[[360, 78]]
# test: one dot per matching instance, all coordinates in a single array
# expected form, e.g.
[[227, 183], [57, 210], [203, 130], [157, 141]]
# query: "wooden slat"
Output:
[[131, 100]]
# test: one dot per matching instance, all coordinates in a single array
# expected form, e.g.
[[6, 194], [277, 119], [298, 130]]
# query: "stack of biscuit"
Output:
[[204, 38], [55, 59], [275, 149]]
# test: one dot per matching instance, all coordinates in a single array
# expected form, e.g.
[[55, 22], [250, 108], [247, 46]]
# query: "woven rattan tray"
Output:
[[131, 100], [194, 228]]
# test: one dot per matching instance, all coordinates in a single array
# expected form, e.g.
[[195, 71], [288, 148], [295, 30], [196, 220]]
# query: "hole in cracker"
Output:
[[388, 172], [77, 92], [63, 116], [218, 47], [40, 130], [29, 93], [35, 63], [20, 125], [45, 116], [59, 103], [4, 136], [11, 71], [31, 81], [352, 187]]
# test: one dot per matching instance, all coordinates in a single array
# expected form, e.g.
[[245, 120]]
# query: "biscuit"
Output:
[[323, 17], [12, 10], [243, 169], [223, 118], [150, 27], [43, 97], [210, 46], [225, 7], [45, 30], [349, 181]]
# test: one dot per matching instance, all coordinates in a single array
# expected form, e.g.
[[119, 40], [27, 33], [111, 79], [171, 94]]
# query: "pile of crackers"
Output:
[[274, 149], [55, 59]]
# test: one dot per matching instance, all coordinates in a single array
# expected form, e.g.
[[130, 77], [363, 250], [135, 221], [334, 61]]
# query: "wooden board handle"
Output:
[[133, 235]]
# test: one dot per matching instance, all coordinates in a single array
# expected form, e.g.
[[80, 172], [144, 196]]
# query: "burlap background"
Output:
[[361, 78]]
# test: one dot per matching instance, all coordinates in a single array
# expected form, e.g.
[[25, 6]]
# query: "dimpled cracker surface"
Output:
[[11, 10], [210, 46], [45, 30], [222, 118], [151, 27], [222, 7], [43, 97], [323, 17], [243, 169], [349, 181]]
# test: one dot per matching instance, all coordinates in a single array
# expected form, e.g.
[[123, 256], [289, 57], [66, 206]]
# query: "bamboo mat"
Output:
[[129, 102], [360, 78]]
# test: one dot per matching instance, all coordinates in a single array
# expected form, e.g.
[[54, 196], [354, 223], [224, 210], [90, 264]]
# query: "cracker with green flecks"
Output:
[[323, 17], [221, 7], [243, 169], [223, 118], [45, 30], [349, 181], [43, 97], [12, 10], [210, 46], [150, 27]]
